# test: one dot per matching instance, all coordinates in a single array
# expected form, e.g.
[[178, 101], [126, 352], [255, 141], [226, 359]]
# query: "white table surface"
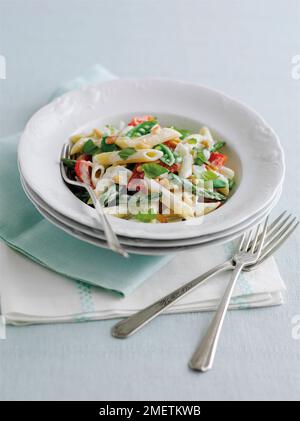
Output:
[[242, 47]]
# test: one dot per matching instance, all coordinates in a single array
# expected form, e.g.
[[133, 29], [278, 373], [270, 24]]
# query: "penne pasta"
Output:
[[148, 141], [207, 140], [148, 173], [97, 173], [227, 172], [205, 208], [172, 201], [140, 156], [186, 169]]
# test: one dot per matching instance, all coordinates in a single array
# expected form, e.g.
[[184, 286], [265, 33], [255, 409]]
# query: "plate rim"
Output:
[[141, 232], [139, 243]]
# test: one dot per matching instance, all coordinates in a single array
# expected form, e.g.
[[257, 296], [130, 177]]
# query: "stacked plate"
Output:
[[253, 149]]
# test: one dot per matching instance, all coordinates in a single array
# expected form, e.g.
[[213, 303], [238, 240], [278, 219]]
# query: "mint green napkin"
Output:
[[25, 230]]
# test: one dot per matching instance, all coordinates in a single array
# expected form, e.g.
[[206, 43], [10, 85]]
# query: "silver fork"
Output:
[[204, 355], [278, 231], [111, 238]]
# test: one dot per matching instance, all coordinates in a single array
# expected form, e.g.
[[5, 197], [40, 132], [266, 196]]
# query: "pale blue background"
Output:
[[243, 47]]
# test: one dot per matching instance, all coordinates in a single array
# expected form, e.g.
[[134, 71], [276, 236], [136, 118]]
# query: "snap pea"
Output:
[[141, 129], [198, 191], [219, 184], [168, 156]]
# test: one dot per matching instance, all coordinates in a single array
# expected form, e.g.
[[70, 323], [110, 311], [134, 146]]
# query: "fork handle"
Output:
[[203, 358], [135, 322], [111, 238]]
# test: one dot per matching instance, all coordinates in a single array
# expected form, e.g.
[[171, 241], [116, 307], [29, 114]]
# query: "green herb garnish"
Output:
[[90, 148], [219, 184], [198, 191], [153, 170], [209, 175], [200, 158], [126, 153], [217, 146], [141, 129], [69, 163], [183, 132], [192, 141], [146, 216], [108, 147], [210, 194], [168, 156]]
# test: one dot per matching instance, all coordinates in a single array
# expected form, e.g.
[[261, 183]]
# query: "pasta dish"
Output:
[[145, 172]]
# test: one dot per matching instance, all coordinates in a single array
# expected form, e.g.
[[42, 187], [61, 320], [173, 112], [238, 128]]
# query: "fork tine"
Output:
[[270, 229], [279, 223], [254, 242], [62, 167], [62, 153], [278, 241], [248, 241], [279, 228], [275, 222], [242, 242], [280, 231], [263, 236]]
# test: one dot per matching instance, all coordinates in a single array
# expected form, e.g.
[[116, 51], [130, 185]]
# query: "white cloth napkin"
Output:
[[33, 294]]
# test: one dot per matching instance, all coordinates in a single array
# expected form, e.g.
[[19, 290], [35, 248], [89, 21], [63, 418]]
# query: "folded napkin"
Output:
[[24, 229], [32, 294]]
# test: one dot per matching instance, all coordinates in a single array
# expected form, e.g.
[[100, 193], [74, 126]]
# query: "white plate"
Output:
[[254, 149], [52, 215], [152, 251], [141, 242]]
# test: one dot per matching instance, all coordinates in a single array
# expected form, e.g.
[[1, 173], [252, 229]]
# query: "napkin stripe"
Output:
[[86, 299]]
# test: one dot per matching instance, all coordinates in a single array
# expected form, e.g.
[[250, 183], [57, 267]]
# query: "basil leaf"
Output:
[[146, 216], [183, 132], [126, 153], [69, 163], [201, 158], [141, 129], [90, 148], [217, 146], [108, 148], [192, 141], [153, 170], [231, 184], [209, 175], [219, 184]]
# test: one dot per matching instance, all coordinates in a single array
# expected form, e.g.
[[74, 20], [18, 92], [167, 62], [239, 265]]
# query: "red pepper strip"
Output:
[[138, 120], [133, 183], [173, 168], [217, 159], [83, 171]]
